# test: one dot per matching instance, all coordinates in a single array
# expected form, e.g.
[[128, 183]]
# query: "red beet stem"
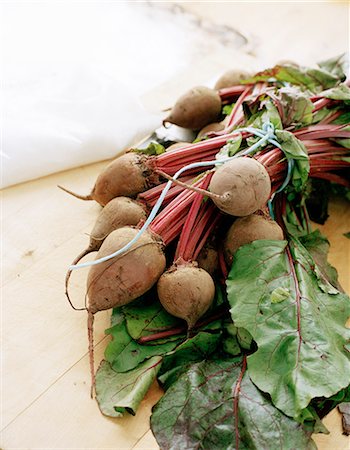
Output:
[[151, 196], [321, 131], [218, 314], [212, 220], [231, 92], [334, 178], [222, 264], [319, 104], [187, 230], [174, 212], [237, 107], [193, 152]]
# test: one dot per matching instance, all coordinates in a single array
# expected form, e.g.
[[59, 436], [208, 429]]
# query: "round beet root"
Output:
[[124, 278], [127, 175], [248, 229], [196, 108], [215, 126], [231, 78], [186, 291], [241, 186], [119, 212], [208, 259], [178, 145]]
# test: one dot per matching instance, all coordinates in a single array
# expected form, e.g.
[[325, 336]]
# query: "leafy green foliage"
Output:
[[341, 92], [343, 119], [344, 142], [153, 149], [269, 113], [195, 349], [231, 148], [227, 109], [315, 80], [117, 393], [230, 344], [301, 341], [324, 405], [336, 66], [295, 149], [124, 353], [296, 106], [318, 247], [145, 316], [214, 405]]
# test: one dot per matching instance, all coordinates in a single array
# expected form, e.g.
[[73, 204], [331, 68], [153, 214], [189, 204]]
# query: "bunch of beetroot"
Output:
[[211, 210]]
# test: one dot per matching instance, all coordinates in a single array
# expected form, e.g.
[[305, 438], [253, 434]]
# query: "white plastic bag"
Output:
[[68, 119]]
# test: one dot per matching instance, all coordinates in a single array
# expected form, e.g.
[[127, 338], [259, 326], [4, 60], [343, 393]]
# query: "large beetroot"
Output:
[[240, 186], [186, 291], [127, 175], [248, 229], [196, 108], [119, 212], [124, 278]]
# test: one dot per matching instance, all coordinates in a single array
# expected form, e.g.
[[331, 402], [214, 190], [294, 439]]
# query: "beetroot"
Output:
[[231, 78], [196, 108], [124, 278], [127, 175], [241, 186], [215, 126], [208, 259], [186, 291], [119, 212], [248, 229]]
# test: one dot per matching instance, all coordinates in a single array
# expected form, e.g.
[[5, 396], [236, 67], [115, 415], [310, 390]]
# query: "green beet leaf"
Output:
[[343, 119], [294, 149], [315, 80], [337, 66], [344, 142], [193, 350], [301, 340], [146, 316], [230, 344], [296, 106], [117, 393], [231, 148], [324, 405], [318, 247], [214, 405], [341, 92], [124, 353], [153, 149]]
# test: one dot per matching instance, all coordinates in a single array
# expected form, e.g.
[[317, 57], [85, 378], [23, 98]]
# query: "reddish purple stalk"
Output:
[[162, 334]]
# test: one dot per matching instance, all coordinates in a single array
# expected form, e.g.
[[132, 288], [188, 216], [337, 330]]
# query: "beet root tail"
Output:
[[90, 323], [69, 273], [80, 197]]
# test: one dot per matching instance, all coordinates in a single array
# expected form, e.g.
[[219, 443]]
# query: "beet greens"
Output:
[[268, 355]]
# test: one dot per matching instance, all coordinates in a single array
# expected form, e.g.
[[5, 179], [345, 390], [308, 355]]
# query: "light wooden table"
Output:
[[45, 374]]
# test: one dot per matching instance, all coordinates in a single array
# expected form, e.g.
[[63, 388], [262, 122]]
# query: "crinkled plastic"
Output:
[[67, 119]]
